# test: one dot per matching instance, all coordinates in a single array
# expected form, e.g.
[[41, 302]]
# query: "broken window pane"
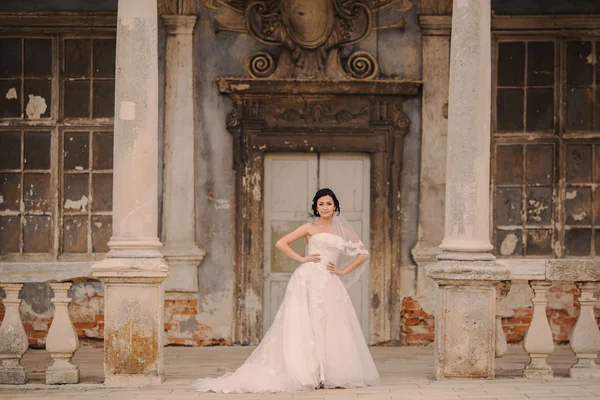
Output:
[[539, 242], [540, 64], [579, 206], [38, 98], [10, 192], [78, 58], [76, 197], [539, 164], [37, 236], [579, 163], [511, 63], [10, 57], [10, 98], [539, 205], [104, 58], [37, 192], [578, 242], [76, 151], [509, 114], [10, 150], [75, 234], [579, 109], [37, 150], [104, 99], [508, 206], [509, 165], [101, 233], [77, 99], [10, 234], [103, 150], [540, 110], [102, 192], [509, 243], [38, 57], [580, 63]]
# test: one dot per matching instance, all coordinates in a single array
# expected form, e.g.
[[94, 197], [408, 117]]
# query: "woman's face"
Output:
[[325, 206]]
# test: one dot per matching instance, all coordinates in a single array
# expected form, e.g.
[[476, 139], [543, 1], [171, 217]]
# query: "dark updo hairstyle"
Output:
[[322, 193]]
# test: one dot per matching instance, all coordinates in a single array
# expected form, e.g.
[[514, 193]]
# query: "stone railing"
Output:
[[538, 341], [61, 341]]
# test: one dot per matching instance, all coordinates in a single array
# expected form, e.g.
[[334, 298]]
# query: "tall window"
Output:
[[56, 120], [546, 148]]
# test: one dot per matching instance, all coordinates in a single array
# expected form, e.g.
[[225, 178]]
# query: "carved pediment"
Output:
[[310, 34]]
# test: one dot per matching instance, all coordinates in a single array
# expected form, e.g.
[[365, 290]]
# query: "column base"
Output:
[[538, 369], [183, 264], [13, 375], [586, 368], [62, 375], [465, 329], [132, 380]]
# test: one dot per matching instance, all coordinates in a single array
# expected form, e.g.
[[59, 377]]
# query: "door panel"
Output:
[[290, 183]]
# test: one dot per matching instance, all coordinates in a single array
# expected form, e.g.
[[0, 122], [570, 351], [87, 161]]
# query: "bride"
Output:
[[315, 340]]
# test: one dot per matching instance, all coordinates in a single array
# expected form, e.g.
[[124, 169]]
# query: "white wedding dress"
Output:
[[315, 341]]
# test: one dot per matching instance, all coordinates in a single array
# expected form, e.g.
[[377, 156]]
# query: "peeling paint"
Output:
[[536, 212], [11, 94], [509, 244], [1, 199], [77, 204], [36, 106], [580, 216], [127, 111], [571, 195], [222, 204], [590, 59], [241, 86], [79, 168]]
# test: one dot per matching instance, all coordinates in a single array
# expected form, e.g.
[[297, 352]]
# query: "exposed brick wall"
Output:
[[562, 313], [183, 329], [417, 326]]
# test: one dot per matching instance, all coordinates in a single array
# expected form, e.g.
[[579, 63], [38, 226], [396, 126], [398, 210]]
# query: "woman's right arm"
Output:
[[283, 244]]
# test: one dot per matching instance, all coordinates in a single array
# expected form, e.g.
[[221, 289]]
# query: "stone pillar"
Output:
[[13, 339], [179, 233], [538, 341], [62, 340], [134, 269], [436, 67], [585, 340], [466, 274]]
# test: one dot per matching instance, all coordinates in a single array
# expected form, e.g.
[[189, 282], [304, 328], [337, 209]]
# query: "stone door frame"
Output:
[[317, 116]]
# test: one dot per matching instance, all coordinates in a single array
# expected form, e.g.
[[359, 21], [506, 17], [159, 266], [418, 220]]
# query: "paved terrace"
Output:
[[405, 374]]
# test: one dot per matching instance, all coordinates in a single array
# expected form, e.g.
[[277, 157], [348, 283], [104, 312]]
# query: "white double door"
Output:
[[291, 181]]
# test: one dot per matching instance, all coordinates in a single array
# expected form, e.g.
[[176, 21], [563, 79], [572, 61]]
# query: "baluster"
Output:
[[62, 340], [502, 289], [585, 340], [538, 339], [13, 339]]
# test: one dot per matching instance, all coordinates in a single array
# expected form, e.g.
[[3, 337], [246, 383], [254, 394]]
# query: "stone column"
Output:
[[585, 340], [134, 270], [179, 233], [13, 339], [466, 274], [436, 66], [62, 340]]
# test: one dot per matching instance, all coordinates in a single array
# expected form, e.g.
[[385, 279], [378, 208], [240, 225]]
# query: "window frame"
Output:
[[559, 137], [58, 27]]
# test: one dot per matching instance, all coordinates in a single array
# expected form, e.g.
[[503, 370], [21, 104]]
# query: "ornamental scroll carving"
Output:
[[310, 34]]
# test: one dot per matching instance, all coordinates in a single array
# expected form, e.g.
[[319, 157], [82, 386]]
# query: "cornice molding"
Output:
[[179, 24], [440, 25], [58, 20]]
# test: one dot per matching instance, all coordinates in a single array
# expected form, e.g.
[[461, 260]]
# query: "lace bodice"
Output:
[[328, 245]]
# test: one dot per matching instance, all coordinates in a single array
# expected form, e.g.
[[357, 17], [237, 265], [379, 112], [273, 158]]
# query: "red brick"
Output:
[[514, 337], [412, 321], [38, 334], [520, 329], [85, 325], [99, 318]]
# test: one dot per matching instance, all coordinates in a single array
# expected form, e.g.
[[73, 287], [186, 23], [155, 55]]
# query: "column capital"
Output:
[[179, 24]]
